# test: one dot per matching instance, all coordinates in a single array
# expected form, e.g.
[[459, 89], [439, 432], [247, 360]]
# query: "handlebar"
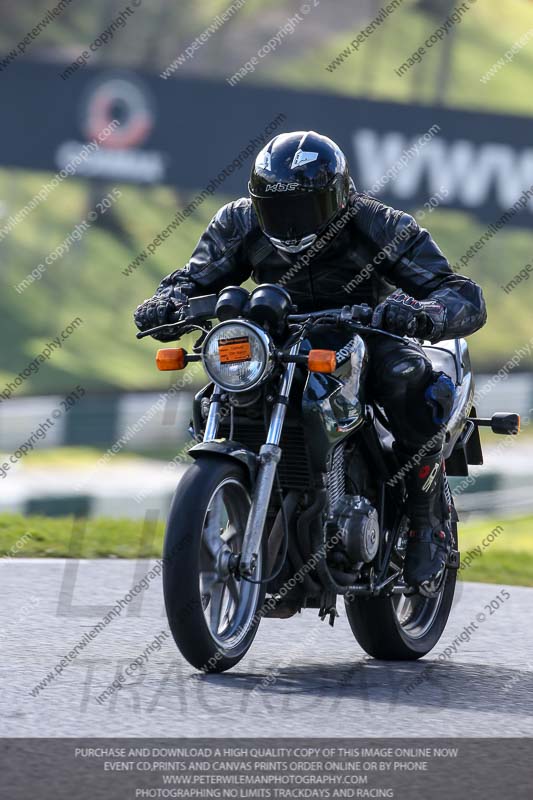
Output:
[[357, 317], [357, 313]]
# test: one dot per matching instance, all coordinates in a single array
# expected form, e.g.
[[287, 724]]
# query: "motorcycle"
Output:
[[295, 496]]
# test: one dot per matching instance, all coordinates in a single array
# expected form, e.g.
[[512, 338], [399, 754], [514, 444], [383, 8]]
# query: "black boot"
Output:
[[430, 539]]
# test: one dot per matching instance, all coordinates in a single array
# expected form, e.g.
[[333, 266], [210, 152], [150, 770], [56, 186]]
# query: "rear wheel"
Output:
[[212, 615], [400, 626]]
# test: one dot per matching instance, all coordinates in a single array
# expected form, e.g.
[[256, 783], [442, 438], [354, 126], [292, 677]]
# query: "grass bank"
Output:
[[492, 550]]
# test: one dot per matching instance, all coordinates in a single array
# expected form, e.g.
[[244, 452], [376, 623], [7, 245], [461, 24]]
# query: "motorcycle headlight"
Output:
[[236, 355]]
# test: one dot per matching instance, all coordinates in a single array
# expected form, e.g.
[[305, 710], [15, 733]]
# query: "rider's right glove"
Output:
[[405, 316], [159, 310]]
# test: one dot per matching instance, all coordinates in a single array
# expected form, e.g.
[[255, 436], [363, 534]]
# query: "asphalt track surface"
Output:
[[324, 685]]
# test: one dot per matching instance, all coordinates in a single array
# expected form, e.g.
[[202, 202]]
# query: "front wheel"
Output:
[[402, 627], [212, 615]]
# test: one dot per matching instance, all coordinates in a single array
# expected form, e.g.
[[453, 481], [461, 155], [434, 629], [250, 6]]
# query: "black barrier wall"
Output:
[[179, 132]]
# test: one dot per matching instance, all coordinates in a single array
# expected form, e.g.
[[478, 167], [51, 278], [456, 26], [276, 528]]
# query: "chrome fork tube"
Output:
[[280, 409], [213, 418], [269, 456]]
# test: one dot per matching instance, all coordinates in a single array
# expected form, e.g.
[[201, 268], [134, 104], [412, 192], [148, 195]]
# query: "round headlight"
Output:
[[236, 355]]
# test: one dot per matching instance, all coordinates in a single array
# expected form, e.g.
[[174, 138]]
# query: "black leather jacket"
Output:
[[354, 267]]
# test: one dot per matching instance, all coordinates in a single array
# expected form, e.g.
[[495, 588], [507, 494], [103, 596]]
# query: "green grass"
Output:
[[507, 560], [87, 458], [62, 537], [71, 458]]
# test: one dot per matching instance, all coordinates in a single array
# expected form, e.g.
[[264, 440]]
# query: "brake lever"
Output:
[[157, 329], [167, 327], [368, 329]]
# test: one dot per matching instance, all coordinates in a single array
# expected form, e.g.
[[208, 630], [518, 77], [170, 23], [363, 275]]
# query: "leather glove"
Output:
[[405, 316], [158, 310]]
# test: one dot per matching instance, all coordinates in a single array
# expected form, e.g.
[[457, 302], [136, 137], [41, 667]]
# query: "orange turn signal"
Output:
[[322, 361], [171, 358]]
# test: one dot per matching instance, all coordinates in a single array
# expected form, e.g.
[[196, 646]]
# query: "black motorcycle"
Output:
[[295, 496]]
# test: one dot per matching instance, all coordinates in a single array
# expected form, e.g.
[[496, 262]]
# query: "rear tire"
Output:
[[400, 627], [213, 619]]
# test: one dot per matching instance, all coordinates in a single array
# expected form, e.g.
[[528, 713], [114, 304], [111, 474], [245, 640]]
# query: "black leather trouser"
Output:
[[399, 375]]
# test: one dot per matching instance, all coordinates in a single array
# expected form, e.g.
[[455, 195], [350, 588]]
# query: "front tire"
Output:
[[212, 615], [400, 627]]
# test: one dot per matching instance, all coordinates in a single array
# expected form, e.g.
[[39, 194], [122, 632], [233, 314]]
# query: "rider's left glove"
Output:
[[405, 316]]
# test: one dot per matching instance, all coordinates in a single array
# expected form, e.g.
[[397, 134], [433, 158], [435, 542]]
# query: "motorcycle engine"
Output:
[[354, 522]]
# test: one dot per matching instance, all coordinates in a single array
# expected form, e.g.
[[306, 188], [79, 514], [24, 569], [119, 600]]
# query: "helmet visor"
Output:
[[287, 215]]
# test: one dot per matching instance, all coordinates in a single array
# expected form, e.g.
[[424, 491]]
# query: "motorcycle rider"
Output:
[[306, 227]]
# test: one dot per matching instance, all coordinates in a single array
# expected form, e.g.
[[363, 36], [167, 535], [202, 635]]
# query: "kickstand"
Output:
[[329, 608]]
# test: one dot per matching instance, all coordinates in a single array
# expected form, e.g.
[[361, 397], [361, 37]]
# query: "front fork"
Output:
[[269, 456]]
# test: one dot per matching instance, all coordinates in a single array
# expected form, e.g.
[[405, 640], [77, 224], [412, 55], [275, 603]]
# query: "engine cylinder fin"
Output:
[[336, 478]]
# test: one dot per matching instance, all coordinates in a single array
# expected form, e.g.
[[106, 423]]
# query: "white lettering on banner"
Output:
[[490, 167]]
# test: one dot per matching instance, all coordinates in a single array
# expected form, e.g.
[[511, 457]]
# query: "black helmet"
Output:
[[299, 183]]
